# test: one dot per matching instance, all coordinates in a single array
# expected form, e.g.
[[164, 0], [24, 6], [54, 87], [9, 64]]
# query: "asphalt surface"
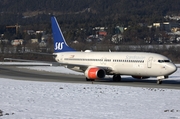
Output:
[[12, 72]]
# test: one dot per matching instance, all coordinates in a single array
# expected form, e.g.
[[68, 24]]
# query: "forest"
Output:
[[124, 12], [77, 14]]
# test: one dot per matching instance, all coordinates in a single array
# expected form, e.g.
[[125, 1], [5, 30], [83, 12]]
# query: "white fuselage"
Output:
[[123, 63]]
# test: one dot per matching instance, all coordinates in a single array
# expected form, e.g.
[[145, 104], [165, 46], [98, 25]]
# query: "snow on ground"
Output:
[[42, 100], [49, 100], [57, 69]]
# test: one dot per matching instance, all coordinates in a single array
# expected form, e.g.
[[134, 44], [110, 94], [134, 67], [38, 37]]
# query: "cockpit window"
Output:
[[161, 61]]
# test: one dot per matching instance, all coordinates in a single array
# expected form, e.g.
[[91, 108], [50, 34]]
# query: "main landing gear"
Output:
[[89, 79], [117, 78]]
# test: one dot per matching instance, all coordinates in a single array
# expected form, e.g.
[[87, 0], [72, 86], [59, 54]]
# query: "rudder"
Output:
[[60, 44]]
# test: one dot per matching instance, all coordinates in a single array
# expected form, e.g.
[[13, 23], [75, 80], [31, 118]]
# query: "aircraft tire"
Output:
[[89, 79], [159, 81], [117, 78]]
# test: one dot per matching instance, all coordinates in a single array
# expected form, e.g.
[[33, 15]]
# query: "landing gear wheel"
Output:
[[159, 81], [117, 78], [89, 79]]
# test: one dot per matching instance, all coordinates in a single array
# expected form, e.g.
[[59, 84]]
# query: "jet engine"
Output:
[[95, 73]]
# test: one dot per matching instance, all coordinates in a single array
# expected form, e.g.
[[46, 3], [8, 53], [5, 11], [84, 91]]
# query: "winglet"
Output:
[[60, 44]]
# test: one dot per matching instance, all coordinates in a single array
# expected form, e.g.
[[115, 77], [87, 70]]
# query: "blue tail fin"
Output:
[[60, 44]]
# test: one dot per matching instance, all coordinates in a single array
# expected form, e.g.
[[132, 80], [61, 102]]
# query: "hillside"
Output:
[[73, 15], [123, 11]]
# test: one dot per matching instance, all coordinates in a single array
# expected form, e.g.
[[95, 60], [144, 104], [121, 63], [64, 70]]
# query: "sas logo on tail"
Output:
[[59, 45]]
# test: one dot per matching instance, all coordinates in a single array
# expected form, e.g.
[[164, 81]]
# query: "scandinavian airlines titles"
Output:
[[59, 45], [135, 57]]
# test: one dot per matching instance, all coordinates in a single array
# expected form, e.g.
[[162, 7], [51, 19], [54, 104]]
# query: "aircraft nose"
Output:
[[172, 68]]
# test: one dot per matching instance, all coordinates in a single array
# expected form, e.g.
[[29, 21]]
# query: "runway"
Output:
[[12, 72]]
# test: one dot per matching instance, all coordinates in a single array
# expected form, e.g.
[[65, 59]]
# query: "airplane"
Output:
[[96, 65]]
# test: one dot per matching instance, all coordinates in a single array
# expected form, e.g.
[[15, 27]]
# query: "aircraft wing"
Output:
[[24, 62], [83, 67], [20, 60]]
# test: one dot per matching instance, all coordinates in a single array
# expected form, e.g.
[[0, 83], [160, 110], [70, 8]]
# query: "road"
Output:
[[13, 72]]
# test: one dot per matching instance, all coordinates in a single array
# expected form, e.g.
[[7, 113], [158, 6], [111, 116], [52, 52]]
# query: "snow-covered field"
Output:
[[46, 100]]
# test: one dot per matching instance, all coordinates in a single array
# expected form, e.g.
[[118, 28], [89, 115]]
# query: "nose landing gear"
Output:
[[160, 78], [159, 81]]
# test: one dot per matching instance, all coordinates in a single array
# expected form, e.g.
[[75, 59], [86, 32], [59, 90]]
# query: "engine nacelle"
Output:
[[95, 73], [140, 77]]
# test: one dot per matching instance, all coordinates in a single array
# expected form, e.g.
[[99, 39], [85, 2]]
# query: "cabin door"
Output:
[[103, 61], [149, 62]]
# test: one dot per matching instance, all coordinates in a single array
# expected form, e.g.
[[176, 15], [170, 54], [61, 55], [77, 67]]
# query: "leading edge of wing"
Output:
[[85, 67], [24, 62]]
